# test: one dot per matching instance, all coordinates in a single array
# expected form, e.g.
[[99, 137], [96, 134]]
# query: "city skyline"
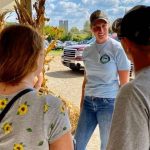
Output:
[[64, 25], [77, 12]]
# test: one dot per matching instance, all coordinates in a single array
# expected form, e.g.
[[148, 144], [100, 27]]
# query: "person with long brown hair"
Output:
[[28, 121]]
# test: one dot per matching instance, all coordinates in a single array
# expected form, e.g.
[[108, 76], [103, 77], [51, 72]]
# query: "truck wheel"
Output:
[[76, 68]]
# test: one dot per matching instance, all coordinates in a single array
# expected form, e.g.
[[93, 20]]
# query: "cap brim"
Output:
[[100, 18], [103, 19]]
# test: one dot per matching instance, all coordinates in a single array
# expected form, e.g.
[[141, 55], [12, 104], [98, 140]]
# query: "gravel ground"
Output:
[[62, 81]]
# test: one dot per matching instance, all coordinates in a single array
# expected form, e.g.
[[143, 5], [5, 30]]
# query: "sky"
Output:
[[78, 11]]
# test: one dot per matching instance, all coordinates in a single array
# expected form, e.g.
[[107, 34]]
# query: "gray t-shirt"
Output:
[[33, 122], [131, 120], [102, 63]]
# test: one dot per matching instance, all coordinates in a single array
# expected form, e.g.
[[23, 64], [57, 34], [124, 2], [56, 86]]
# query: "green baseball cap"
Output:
[[98, 14]]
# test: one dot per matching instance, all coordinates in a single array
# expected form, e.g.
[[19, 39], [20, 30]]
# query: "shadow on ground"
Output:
[[65, 74]]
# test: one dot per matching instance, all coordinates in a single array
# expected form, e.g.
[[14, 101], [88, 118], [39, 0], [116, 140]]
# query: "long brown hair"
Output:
[[20, 46]]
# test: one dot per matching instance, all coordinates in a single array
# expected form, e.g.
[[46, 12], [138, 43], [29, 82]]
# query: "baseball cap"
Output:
[[135, 25], [98, 14]]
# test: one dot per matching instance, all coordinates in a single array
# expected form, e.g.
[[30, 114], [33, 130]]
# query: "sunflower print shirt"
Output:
[[34, 122]]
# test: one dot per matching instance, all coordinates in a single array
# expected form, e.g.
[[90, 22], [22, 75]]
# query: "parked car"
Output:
[[68, 43], [58, 45], [72, 55]]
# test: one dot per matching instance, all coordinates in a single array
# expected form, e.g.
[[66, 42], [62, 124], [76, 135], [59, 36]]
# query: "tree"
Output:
[[52, 32], [74, 30], [86, 27], [66, 37]]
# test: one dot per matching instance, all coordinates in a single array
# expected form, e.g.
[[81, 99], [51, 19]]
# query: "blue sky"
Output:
[[78, 11]]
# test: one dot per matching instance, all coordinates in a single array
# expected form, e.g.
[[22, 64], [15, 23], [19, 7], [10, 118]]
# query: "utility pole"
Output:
[[28, 5]]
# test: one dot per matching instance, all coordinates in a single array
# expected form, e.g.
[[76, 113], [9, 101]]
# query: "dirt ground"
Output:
[[64, 82]]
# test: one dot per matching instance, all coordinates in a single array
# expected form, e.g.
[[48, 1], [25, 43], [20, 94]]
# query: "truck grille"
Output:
[[69, 53]]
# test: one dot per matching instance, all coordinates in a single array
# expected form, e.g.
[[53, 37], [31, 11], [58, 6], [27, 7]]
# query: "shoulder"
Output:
[[116, 45], [118, 51], [51, 100], [88, 49], [114, 42], [42, 100]]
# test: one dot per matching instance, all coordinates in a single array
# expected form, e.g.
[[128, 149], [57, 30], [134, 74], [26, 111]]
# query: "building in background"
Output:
[[61, 24], [64, 25]]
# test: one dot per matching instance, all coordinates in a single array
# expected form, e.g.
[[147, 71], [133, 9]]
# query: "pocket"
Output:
[[111, 100], [88, 103]]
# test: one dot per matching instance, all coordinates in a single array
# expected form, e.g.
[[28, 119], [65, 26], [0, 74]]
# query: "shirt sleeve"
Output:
[[122, 61], [85, 53], [56, 119], [129, 130]]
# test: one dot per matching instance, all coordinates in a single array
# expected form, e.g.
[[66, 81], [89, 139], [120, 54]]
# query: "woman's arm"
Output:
[[123, 76], [38, 81], [65, 142], [83, 90]]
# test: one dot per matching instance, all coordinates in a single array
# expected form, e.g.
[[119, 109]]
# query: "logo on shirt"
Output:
[[104, 59]]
